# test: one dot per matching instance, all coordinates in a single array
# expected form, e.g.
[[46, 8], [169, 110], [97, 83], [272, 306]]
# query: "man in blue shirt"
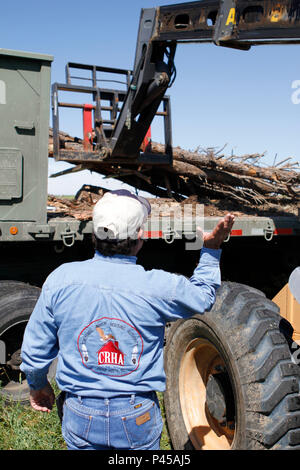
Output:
[[104, 319]]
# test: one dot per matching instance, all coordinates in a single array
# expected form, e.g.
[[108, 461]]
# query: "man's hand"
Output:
[[215, 238], [42, 400]]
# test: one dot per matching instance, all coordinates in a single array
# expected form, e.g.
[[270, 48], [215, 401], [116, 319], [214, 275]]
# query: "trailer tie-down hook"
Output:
[[169, 237], [68, 237], [268, 234]]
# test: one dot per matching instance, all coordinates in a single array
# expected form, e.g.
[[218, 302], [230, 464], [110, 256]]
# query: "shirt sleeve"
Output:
[[197, 294], [40, 344]]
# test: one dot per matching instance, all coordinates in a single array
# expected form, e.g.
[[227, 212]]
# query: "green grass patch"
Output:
[[22, 428], [165, 443]]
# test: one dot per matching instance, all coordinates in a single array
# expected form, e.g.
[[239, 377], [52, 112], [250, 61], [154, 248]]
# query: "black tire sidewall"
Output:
[[200, 327], [246, 328], [16, 307]]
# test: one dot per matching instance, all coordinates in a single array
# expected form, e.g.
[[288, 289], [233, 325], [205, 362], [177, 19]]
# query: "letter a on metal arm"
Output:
[[225, 23]]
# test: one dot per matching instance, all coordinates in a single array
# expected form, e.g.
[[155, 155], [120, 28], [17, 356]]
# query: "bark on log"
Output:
[[204, 161], [206, 175]]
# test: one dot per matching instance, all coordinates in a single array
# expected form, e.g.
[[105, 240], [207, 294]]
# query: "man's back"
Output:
[[109, 316], [105, 319]]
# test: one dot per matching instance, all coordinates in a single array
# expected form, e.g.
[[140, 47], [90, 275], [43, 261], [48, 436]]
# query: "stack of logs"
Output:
[[240, 184]]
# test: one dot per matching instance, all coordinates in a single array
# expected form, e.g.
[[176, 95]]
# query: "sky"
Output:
[[247, 101]]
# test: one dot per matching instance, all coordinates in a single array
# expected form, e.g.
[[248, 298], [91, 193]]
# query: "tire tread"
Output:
[[268, 377]]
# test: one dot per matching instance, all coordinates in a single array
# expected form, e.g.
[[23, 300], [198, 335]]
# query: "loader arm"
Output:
[[229, 23]]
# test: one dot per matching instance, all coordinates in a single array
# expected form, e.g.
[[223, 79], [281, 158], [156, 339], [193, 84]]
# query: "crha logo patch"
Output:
[[110, 346]]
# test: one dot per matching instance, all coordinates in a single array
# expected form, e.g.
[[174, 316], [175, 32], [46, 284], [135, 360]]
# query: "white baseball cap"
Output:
[[119, 215]]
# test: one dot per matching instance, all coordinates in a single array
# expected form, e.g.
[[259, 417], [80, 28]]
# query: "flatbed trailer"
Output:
[[68, 230]]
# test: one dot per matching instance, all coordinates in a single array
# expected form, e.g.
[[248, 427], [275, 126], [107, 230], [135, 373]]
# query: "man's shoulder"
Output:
[[65, 270], [161, 281]]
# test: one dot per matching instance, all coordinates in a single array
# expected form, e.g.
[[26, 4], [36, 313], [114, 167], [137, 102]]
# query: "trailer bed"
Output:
[[70, 220]]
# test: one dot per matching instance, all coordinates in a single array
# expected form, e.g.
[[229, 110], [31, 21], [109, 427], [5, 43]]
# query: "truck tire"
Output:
[[231, 380], [17, 301], [10, 286]]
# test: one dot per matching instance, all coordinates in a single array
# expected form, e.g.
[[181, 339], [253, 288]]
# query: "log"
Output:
[[205, 173], [204, 161]]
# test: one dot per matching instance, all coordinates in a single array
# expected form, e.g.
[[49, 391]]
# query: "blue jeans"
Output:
[[123, 422]]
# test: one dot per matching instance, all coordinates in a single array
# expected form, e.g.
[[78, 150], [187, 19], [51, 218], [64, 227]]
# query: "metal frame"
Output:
[[114, 96], [253, 22], [229, 23], [94, 69], [103, 128], [69, 230]]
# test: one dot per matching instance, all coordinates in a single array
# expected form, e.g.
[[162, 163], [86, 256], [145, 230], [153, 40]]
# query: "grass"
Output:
[[165, 443], [22, 428]]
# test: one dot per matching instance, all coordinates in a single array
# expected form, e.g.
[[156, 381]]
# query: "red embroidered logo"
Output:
[[112, 358]]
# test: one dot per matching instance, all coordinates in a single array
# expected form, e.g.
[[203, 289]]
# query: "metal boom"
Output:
[[229, 23]]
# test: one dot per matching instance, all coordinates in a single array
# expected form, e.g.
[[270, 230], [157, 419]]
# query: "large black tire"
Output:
[[17, 301], [231, 380], [8, 287]]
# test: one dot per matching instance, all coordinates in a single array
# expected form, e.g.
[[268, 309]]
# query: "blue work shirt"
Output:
[[104, 318]]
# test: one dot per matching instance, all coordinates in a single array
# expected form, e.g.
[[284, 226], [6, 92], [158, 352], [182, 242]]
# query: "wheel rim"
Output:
[[200, 363], [12, 379]]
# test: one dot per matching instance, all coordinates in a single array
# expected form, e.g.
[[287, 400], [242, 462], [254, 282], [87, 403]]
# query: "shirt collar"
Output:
[[116, 258]]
